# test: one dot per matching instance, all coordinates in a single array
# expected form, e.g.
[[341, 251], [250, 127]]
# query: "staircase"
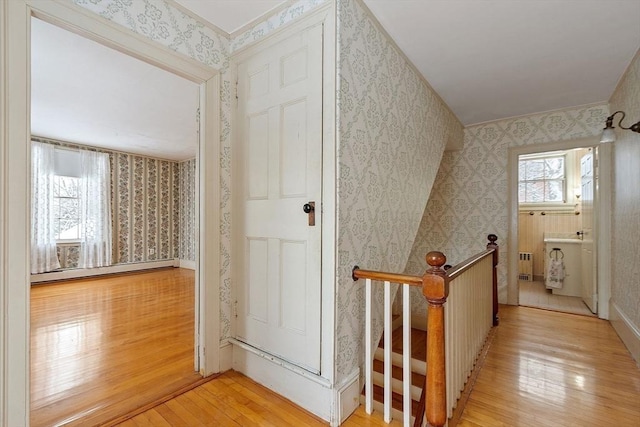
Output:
[[418, 369]]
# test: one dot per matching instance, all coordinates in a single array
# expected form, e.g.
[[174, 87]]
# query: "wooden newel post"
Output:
[[493, 245], [435, 287]]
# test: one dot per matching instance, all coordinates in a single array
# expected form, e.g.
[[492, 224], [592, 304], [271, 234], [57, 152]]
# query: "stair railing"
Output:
[[451, 333]]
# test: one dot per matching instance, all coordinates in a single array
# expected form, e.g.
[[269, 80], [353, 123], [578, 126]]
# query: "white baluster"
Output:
[[406, 354], [387, 352], [368, 359]]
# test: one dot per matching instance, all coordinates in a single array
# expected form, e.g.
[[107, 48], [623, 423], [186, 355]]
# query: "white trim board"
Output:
[[626, 330], [311, 395], [90, 272]]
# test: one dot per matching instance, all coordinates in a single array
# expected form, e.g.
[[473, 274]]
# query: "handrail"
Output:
[[465, 265], [382, 276], [435, 288]]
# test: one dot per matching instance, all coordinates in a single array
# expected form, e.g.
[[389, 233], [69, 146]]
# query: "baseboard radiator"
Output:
[[525, 266]]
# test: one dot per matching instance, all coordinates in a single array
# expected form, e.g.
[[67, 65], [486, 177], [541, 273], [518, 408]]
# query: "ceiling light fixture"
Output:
[[609, 135]]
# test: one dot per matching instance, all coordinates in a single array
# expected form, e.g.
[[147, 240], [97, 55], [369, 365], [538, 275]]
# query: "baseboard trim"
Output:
[[226, 356], [314, 396], [346, 398], [626, 330], [185, 263], [89, 272]]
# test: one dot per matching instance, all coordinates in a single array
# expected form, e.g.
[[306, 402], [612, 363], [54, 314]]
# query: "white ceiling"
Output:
[[494, 59], [89, 94], [488, 60]]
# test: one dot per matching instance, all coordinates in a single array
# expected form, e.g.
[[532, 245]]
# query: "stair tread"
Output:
[[396, 399], [418, 343], [396, 372]]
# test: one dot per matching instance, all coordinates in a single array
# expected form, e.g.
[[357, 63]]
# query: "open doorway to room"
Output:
[[556, 264], [105, 345]]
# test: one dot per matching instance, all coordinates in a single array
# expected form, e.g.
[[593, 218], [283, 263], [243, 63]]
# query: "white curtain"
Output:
[[95, 210], [44, 255]]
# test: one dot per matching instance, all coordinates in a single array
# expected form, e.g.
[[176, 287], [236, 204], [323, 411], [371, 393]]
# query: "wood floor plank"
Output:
[[542, 368], [101, 347], [554, 369]]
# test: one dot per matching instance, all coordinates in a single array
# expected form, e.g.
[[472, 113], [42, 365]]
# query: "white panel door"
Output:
[[589, 284], [280, 141]]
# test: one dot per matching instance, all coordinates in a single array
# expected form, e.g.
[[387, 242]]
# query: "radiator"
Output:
[[525, 266]]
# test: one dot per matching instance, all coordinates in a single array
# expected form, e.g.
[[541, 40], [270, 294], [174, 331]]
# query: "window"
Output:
[[66, 207], [542, 179]]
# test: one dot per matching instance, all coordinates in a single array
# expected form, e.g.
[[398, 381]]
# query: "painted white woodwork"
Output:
[[406, 354], [589, 285], [368, 346], [280, 152], [468, 319], [604, 185], [387, 352], [14, 183], [117, 268]]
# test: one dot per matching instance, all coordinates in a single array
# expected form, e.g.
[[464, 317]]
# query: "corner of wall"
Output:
[[626, 330]]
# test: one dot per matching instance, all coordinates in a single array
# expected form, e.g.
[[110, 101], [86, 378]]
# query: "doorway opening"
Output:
[[553, 214], [558, 211], [16, 140], [87, 101]]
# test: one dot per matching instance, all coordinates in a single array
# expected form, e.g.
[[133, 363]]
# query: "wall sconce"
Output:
[[609, 135]]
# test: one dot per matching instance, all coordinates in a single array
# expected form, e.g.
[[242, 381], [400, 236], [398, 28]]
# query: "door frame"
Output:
[[321, 15], [601, 212], [15, 202]]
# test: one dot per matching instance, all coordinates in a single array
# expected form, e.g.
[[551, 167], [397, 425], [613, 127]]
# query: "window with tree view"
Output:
[[542, 180], [66, 207]]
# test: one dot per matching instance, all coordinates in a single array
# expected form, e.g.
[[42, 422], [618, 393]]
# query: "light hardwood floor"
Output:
[[105, 346], [545, 368], [542, 369]]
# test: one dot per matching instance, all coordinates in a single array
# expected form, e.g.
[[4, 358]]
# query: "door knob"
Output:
[[310, 208]]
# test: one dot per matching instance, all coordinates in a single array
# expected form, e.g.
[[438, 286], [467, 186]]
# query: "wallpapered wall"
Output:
[[153, 207], [625, 281], [392, 133], [187, 209], [469, 198], [160, 21]]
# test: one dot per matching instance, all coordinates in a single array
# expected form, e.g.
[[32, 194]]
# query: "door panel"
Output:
[[280, 141], [589, 285]]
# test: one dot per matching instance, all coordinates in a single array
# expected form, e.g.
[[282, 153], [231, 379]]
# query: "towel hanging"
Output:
[[555, 273]]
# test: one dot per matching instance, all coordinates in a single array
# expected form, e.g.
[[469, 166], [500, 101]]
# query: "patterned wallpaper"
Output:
[[160, 21], [139, 206], [153, 208], [469, 198], [392, 133], [187, 209], [625, 280]]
